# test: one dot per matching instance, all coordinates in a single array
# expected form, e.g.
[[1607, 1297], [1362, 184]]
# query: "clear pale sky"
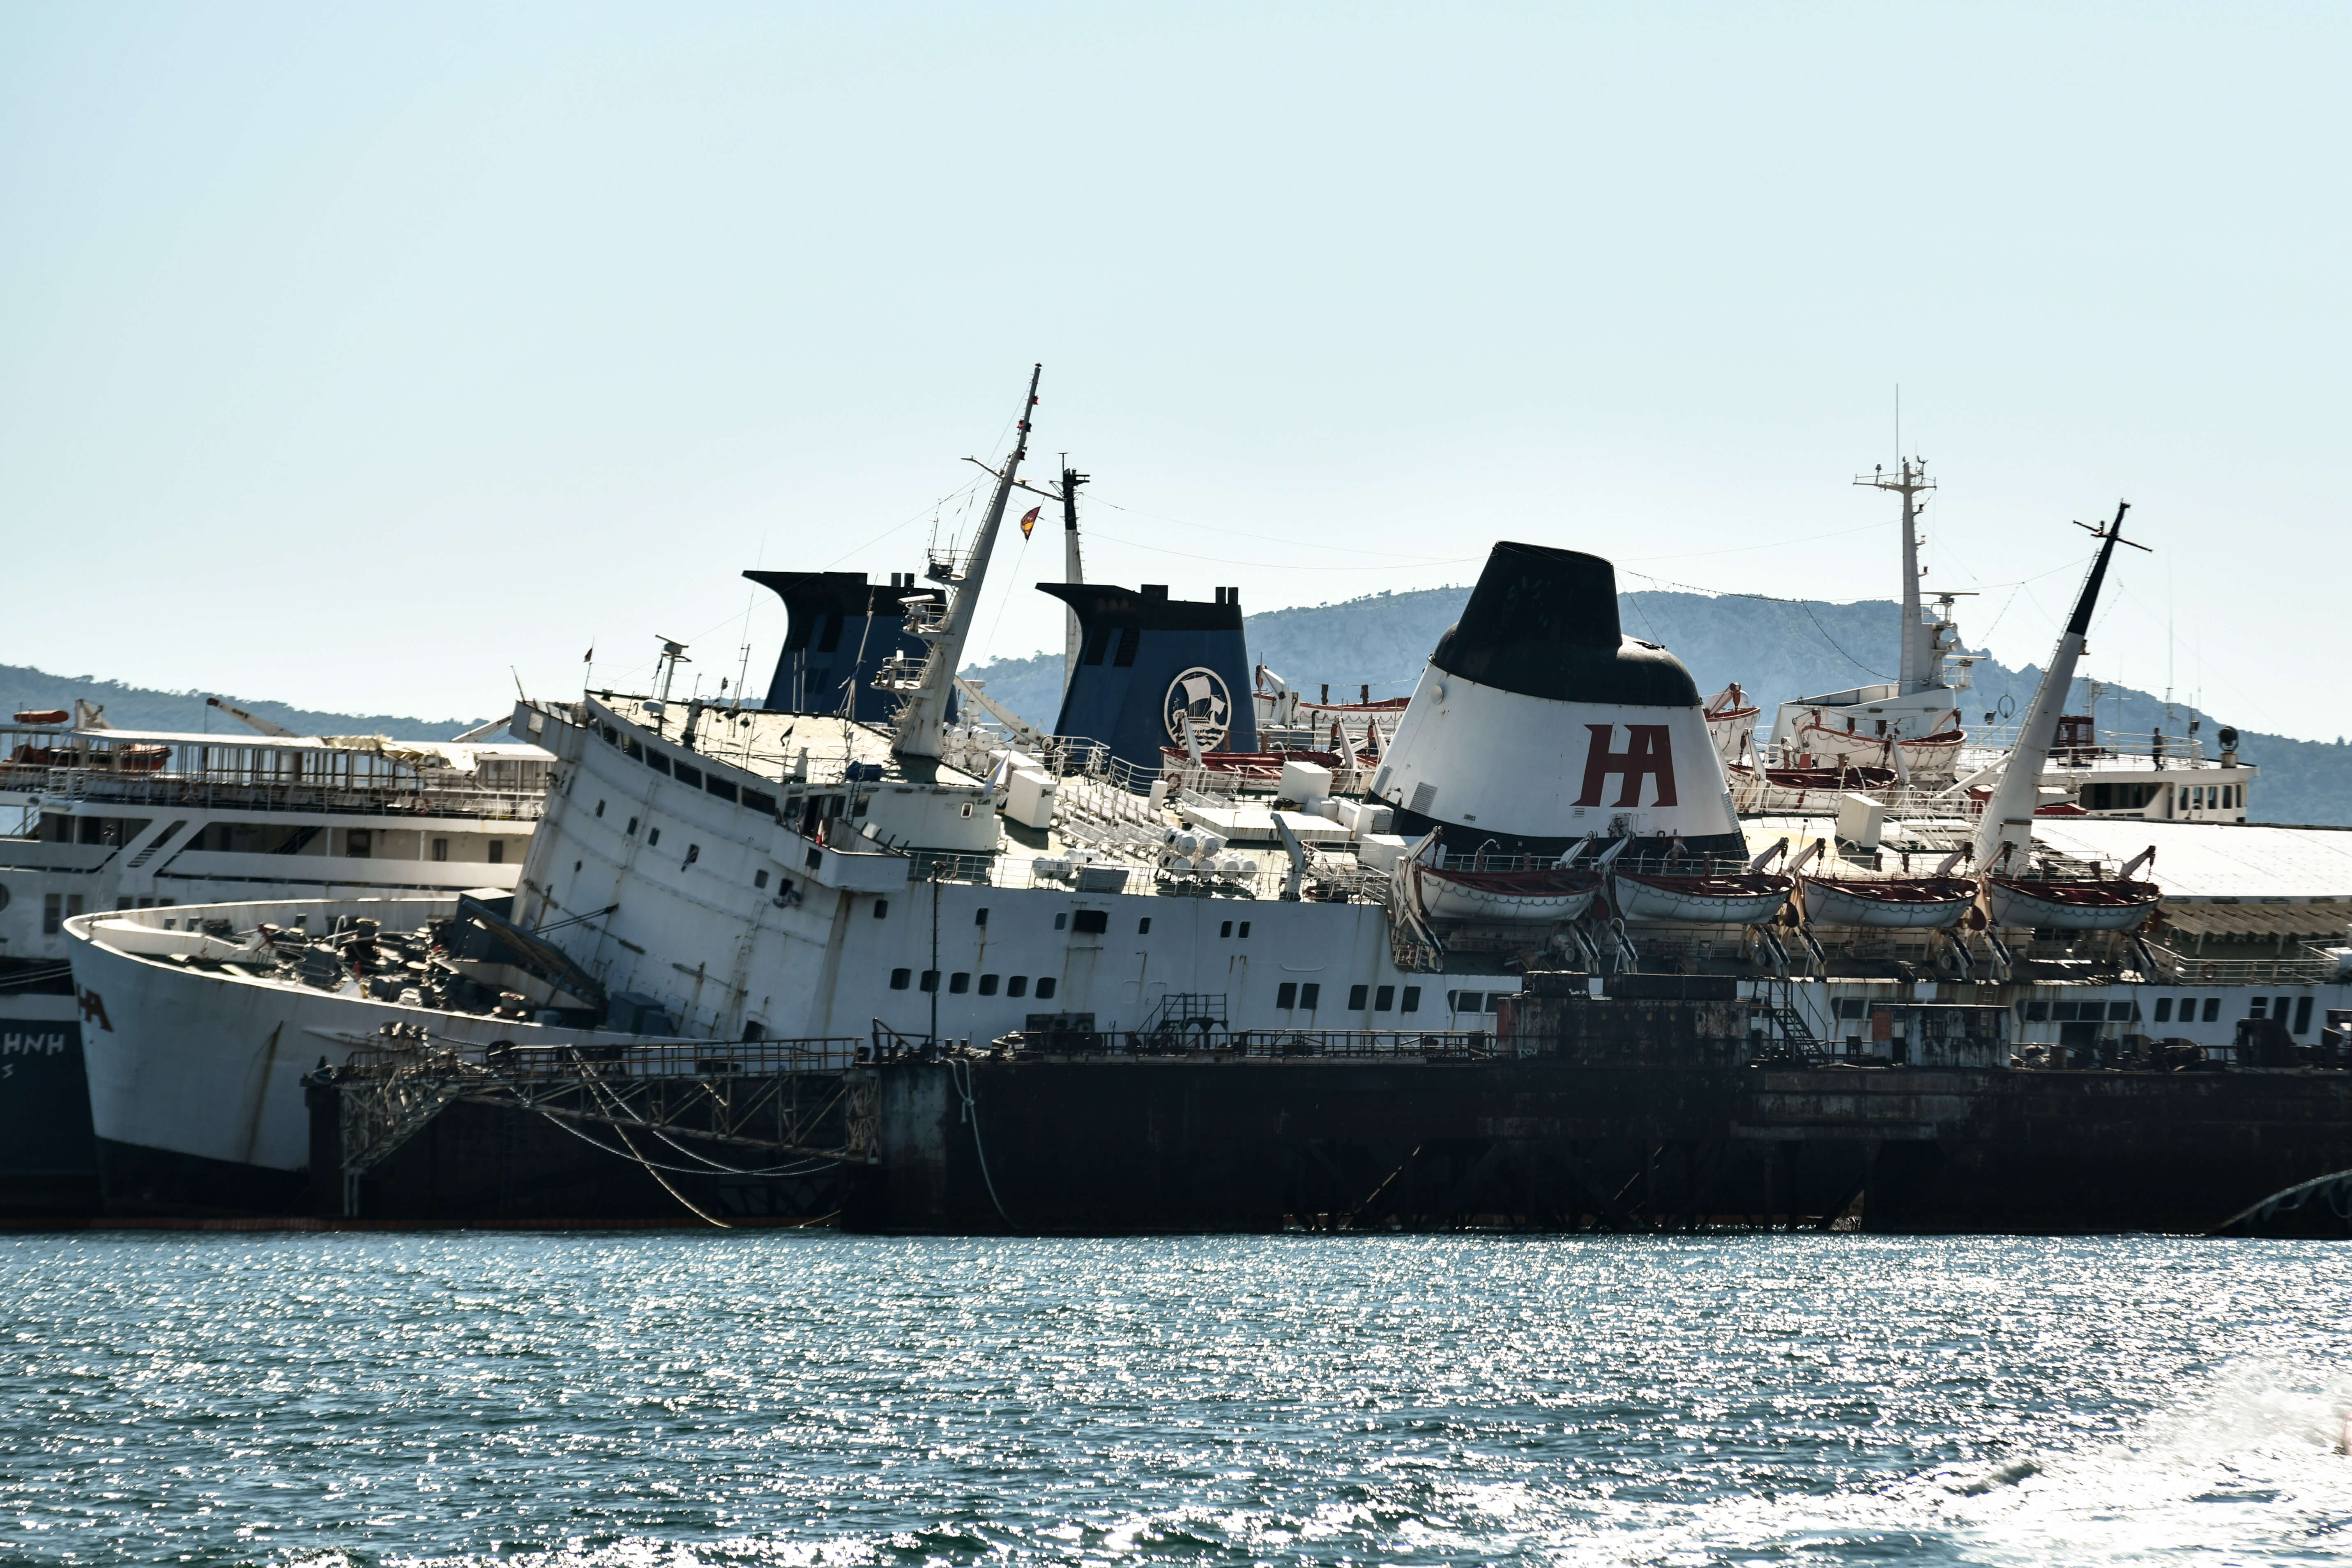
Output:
[[350, 356]]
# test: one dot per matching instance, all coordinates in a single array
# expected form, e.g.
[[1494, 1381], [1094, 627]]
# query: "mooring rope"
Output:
[[960, 1074]]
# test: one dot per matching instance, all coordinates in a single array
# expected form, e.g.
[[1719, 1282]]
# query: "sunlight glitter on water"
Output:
[[814, 1400]]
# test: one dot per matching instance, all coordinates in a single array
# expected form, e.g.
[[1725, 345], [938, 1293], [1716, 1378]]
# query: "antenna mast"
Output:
[[1073, 569], [1912, 483], [924, 714]]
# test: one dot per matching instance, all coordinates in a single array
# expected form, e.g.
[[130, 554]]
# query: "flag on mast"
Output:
[[1029, 521]]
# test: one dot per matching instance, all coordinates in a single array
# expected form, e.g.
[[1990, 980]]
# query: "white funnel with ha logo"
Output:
[[1539, 723]]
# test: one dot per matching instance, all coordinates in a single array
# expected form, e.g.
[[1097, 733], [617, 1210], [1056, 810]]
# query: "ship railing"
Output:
[[509, 1062], [2310, 966], [2175, 751], [244, 790], [1196, 1037]]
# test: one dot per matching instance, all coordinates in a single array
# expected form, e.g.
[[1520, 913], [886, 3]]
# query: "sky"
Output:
[[385, 358]]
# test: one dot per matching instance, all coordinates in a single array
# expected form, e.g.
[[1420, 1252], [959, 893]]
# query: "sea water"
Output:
[[752, 1398]]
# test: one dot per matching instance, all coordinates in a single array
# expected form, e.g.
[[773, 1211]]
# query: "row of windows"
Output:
[[2302, 1011], [960, 983], [2078, 1011], [689, 774]]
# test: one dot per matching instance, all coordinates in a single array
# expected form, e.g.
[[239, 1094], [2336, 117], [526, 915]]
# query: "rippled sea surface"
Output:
[[797, 1398]]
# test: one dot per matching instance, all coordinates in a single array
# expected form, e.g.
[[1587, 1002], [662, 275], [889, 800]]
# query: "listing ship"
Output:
[[110, 820], [1547, 841]]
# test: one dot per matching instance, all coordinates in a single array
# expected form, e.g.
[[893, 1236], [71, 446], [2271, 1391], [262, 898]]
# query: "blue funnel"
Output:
[[1144, 659]]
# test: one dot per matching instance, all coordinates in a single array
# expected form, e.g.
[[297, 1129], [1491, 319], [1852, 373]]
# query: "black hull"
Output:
[[138, 1182], [49, 1161]]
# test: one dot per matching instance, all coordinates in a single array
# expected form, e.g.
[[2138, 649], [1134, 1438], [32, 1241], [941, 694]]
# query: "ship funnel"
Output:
[[840, 628], [1537, 721], [1150, 669]]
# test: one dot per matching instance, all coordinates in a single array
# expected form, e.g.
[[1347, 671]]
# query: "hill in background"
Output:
[[1777, 650], [137, 708]]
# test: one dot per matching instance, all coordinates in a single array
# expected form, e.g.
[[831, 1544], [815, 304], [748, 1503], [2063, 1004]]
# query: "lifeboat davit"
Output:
[[1909, 903], [2119, 904]]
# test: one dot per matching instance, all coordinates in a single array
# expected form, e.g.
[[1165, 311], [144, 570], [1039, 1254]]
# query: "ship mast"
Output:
[[1912, 483], [2007, 826], [923, 716], [1073, 569]]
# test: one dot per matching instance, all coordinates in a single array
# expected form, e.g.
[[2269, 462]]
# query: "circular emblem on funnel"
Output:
[[1199, 697]]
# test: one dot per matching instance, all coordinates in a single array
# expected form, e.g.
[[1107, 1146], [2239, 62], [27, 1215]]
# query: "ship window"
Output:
[[2120, 1012], [1309, 993], [498, 852], [653, 835], [2254, 1009], [959, 982], [1128, 641], [900, 977], [1411, 1002], [1358, 995], [980, 916], [931, 980], [1384, 999], [52, 913], [1044, 986], [1285, 995], [1243, 932], [761, 802], [1094, 921], [441, 845], [881, 907], [689, 776], [632, 748], [1225, 929], [1143, 926], [2302, 1013], [359, 844], [1017, 986], [657, 762], [759, 878], [600, 808], [719, 787], [2212, 1009], [2164, 1009], [1062, 921], [988, 984]]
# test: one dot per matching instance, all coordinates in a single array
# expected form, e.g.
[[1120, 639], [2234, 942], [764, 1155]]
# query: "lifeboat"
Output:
[[42, 716], [1911, 903], [1727, 898], [1518, 898], [1925, 757], [1731, 722], [2119, 904]]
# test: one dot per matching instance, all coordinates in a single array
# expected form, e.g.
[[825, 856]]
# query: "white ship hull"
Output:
[[195, 1077]]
